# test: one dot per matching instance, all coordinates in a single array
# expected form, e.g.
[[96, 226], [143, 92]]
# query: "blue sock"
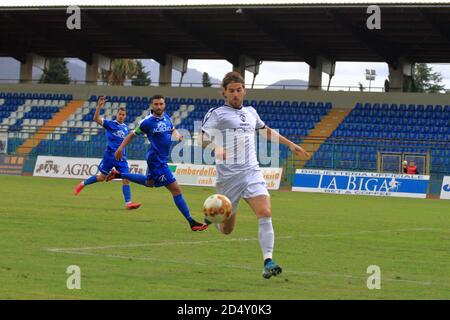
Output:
[[90, 180], [182, 206], [136, 178], [126, 190]]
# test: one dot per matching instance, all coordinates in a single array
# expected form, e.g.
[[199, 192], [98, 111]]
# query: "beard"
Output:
[[235, 103]]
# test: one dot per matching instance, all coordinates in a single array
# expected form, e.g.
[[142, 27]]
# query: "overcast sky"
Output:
[[346, 73]]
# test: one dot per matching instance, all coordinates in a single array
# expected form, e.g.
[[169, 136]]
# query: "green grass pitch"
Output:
[[325, 244]]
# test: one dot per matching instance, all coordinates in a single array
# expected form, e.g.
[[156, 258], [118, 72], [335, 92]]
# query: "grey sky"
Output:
[[347, 74]]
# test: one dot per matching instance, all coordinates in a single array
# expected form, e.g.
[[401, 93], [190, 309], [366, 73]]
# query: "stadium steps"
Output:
[[49, 127], [318, 136], [182, 113], [321, 132]]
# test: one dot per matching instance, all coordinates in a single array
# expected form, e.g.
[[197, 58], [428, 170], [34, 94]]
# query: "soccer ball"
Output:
[[217, 208]]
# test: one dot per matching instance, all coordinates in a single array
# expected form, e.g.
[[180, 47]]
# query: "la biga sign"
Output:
[[361, 183]]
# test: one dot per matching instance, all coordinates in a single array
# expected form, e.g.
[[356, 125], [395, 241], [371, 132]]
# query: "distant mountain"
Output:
[[296, 84], [10, 69]]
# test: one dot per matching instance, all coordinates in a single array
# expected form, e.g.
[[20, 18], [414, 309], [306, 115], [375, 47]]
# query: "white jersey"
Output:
[[234, 130]]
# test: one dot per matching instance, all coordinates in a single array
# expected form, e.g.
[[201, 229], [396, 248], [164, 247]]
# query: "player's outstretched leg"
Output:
[[174, 188], [88, 181], [136, 178], [126, 190]]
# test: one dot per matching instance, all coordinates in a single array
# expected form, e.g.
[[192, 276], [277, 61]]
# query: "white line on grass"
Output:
[[170, 243], [164, 243], [363, 232], [82, 251], [209, 265]]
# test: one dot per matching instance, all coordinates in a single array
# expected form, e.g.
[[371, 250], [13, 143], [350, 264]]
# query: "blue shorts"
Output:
[[109, 162], [160, 174]]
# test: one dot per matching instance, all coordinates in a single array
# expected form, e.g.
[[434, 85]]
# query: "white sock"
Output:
[[266, 237], [218, 226]]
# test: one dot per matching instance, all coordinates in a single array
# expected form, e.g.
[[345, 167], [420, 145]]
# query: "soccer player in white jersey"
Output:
[[238, 172]]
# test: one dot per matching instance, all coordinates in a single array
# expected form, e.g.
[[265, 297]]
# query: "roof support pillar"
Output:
[[93, 70], [26, 69], [165, 71]]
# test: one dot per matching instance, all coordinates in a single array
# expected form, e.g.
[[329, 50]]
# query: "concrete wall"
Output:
[[340, 99]]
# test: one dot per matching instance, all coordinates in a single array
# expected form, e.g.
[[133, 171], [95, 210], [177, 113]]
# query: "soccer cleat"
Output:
[[114, 174], [207, 222], [271, 269], [132, 206], [78, 188], [197, 226]]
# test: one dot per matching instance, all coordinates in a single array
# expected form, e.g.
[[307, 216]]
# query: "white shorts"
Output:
[[248, 185]]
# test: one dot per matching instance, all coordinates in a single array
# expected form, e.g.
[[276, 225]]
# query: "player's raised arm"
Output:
[[176, 135], [273, 135], [100, 104], [119, 152]]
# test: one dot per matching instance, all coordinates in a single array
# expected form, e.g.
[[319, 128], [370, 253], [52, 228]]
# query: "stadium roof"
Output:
[[286, 31]]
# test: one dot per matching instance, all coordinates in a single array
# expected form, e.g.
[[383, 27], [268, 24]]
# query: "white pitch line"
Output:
[[165, 243], [364, 232], [169, 243], [209, 265]]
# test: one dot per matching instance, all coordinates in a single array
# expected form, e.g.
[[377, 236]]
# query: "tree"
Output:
[[142, 77], [57, 72], [425, 80], [121, 70], [205, 80], [387, 85], [361, 87]]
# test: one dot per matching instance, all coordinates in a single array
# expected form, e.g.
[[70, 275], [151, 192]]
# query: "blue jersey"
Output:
[[159, 133], [115, 133]]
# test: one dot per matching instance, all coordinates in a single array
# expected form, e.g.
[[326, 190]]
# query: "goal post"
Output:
[[391, 162]]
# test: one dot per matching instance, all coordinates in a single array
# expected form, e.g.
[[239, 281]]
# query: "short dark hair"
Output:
[[122, 109], [156, 96], [232, 77]]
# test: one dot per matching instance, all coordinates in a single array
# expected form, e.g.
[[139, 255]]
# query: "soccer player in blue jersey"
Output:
[[116, 131], [159, 130]]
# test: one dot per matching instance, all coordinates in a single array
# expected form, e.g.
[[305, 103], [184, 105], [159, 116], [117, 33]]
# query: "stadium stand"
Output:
[[381, 127], [369, 128], [79, 135], [22, 114]]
